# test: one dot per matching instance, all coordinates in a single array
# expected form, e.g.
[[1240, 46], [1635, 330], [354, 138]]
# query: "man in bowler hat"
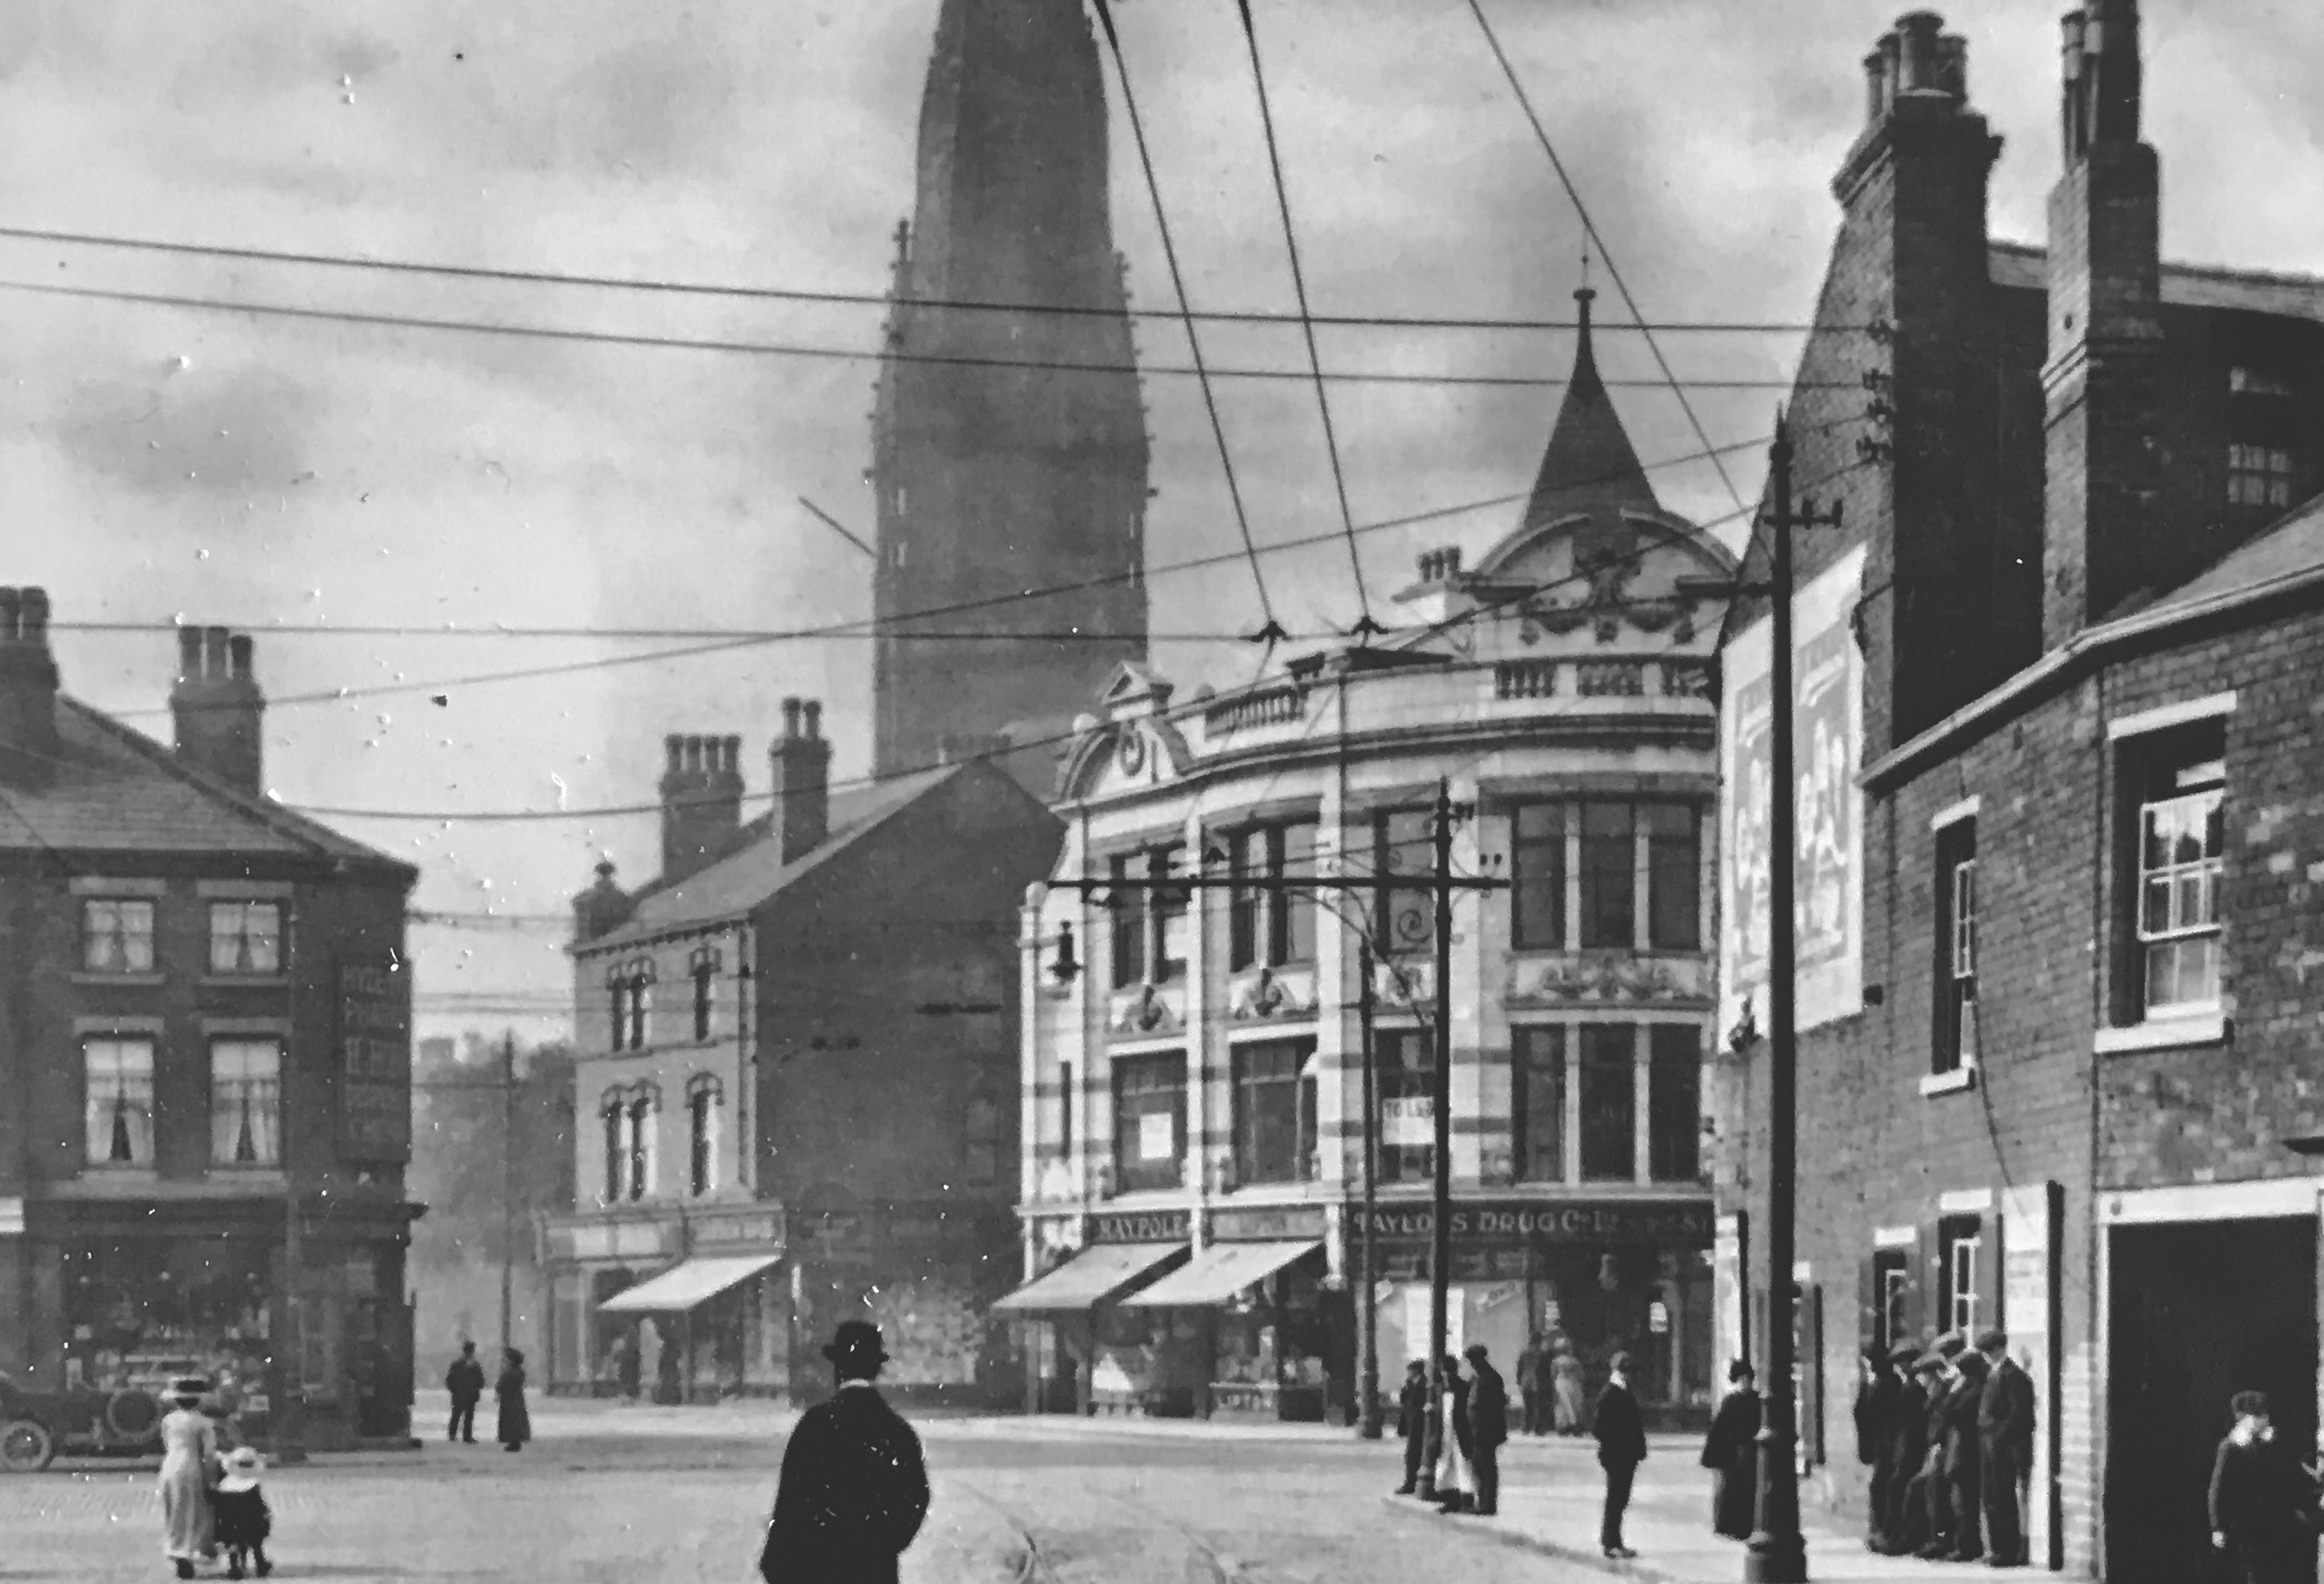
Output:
[[2005, 1449], [1621, 1433], [854, 1488], [1488, 1427]]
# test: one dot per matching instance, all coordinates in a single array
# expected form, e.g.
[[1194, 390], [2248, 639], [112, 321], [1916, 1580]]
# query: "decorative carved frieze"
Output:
[[1272, 996], [1146, 1011], [1603, 977]]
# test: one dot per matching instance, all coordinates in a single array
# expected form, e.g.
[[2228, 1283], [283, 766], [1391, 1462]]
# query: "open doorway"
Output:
[[2198, 1310]]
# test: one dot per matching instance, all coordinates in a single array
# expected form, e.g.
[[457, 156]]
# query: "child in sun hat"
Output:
[[243, 1521]]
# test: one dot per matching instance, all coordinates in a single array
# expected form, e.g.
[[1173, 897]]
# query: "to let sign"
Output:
[[375, 1061]]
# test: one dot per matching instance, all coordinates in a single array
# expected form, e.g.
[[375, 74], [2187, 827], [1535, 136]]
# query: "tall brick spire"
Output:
[[992, 480]]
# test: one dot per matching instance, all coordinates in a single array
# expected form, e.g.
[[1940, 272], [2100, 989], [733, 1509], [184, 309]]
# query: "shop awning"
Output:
[[687, 1285], [1219, 1272], [1091, 1276]]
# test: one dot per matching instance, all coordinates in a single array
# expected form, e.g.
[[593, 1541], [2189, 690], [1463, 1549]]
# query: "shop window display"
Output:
[[1271, 1343], [141, 1312]]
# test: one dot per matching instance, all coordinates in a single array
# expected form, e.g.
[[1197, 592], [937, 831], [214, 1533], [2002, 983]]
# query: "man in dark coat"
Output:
[[1876, 1398], [2263, 1504], [1902, 1520], [1411, 1423], [1961, 1463], [1621, 1436], [854, 1488], [465, 1381], [2005, 1449], [1730, 1453], [1931, 1492], [1533, 1367], [1487, 1428]]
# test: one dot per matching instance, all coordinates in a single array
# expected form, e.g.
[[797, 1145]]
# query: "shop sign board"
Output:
[[374, 998], [761, 1228], [1274, 1223], [1141, 1226], [1523, 1223]]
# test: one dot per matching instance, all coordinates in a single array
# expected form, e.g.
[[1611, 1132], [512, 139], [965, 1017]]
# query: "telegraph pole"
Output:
[[1777, 1553], [1368, 1318], [508, 1184], [1441, 1107]]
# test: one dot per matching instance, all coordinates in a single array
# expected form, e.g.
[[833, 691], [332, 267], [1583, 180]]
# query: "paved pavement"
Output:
[[620, 1492]]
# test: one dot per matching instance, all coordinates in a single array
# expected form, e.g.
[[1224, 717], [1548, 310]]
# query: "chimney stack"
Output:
[[2104, 535], [216, 706], [701, 804], [600, 910], [801, 760], [28, 688]]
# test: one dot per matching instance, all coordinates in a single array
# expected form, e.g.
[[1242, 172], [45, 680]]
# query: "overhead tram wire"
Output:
[[1271, 630], [872, 624], [1590, 228], [794, 295], [618, 811], [1364, 626], [838, 354]]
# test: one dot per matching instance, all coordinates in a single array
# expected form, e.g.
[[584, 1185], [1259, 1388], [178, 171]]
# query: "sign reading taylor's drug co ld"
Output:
[[375, 1060]]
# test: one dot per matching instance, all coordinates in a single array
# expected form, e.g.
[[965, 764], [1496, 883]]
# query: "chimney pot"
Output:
[[693, 754], [790, 718], [734, 756], [801, 766], [189, 653], [1876, 85], [239, 647], [813, 709], [1918, 31], [1952, 65], [676, 747], [216, 706], [213, 651]]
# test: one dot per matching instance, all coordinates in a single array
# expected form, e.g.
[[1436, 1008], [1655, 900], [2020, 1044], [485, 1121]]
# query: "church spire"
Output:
[[1589, 462]]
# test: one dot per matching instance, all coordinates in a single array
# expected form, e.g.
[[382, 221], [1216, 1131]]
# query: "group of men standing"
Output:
[[1948, 1431]]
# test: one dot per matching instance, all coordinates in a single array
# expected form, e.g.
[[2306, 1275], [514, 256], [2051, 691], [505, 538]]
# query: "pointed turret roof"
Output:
[[1590, 463]]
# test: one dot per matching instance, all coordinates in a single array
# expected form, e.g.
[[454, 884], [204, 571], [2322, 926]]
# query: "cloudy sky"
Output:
[[290, 473]]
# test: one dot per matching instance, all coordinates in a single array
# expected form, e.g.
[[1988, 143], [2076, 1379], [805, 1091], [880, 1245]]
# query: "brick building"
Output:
[[1192, 1085], [2060, 832], [205, 1016], [795, 1067]]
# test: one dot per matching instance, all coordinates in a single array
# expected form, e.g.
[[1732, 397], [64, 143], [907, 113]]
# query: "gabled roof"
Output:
[[755, 872], [2183, 285], [116, 790], [1589, 462]]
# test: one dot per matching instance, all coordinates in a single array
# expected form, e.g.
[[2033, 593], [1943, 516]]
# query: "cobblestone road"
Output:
[[644, 1494]]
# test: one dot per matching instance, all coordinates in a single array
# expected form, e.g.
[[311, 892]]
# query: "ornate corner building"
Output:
[[1191, 1082], [2057, 760]]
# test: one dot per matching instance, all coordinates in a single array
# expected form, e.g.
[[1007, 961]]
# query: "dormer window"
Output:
[[2260, 475]]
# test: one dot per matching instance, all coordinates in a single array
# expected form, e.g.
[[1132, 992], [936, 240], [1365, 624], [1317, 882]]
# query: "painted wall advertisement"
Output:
[[375, 1059], [1827, 716]]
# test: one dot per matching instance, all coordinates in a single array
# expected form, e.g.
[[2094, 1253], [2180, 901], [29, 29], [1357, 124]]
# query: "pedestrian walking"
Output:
[[243, 1520], [189, 1452], [1488, 1426], [1456, 1475], [1532, 1383], [1621, 1448], [1565, 1385], [1962, 1465], [515, 1425], [465, 1381], [1876, 1400], [2263, 1504], [1730, 1453], [2005, 1450], [1411, 1423], [854, 1488], [1903, 1528]]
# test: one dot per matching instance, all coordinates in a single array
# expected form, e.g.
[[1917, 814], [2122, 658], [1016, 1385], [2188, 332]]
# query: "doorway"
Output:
[[2198, 1310]]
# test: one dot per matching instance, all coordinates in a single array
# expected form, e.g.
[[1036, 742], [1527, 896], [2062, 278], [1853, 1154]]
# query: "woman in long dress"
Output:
[[1456, 1478], [189, 1452], [515, 1423], [1566, 1381], [1730, 1453]]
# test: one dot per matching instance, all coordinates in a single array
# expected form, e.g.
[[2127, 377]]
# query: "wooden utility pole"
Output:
[[507, 1186], [1367, 1266], [1776, 1553]]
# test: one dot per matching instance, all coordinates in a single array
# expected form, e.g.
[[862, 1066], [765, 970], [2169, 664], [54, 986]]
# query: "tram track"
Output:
[[1207, 1559]]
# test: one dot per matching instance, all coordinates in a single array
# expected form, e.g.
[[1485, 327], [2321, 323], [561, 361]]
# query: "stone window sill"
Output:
[[2165, 1034], [246, 981], [1960, 1078], [99, 976]]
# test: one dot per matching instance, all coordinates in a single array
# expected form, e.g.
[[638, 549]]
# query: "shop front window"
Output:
[[141, 1312]]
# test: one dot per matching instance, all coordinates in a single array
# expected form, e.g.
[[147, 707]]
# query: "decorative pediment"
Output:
[[1124, 756], [1134, 689], [1147, 1012], [1272, 994]]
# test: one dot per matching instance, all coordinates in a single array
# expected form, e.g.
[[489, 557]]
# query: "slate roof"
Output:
[[116, 790], [751, 874], [2183, 285], [1589, 462], [2292, 547]]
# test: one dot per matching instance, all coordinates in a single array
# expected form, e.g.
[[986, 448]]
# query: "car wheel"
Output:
[[26, 1447], [133, 1414]]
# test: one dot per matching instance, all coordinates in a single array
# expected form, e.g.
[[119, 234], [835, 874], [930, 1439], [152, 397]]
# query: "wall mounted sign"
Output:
[[374, 999], [1141, 1226]]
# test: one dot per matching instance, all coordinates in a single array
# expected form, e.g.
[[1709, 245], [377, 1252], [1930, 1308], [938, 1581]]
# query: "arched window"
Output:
[[644, 1108], [617, 1004], [704, 1101], [614, 1114], [642, 1000], [704, 967]]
